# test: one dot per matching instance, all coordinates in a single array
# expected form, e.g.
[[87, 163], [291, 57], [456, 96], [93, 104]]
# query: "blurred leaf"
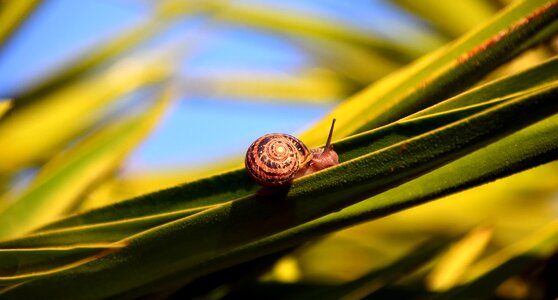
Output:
[[284, 20], [522, 62], [355, 289], [440, 74], [5, 105], [354, 62], [76, 69], [286, 269], [229, 226], [377, 279], [540, 244], [12, 15], [486, 275], [310, 86], [453, 18], [458, 259], [36, 131], [63, 180]]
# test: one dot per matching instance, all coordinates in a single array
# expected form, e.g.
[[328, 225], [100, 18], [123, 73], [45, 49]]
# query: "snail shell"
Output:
[[276, 159]]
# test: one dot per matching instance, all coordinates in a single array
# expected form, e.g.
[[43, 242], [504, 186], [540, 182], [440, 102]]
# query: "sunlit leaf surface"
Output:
[[60, 183], [417, 122]]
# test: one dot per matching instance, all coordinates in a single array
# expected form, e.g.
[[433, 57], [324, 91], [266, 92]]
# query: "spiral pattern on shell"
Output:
[[275, 158]]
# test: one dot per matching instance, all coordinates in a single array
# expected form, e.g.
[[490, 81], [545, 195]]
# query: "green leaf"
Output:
[[462, 105], [29, 261], [235, 184], [106, 232], [441, 74], [219, 230], [501, 89], [130, 185], [201, 193], [532, 146], [495, 161], [66, 178]]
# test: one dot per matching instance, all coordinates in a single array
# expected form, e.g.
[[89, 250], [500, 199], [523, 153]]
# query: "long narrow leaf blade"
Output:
[[37, 131], [453, 18], [14, 280], [470, 102], [477, 168], [12, 15], [21, 262], [441, 74], [235, 184], [377, 279], [503, 88], [492, 271], [221, 229], [67, 177], [77, 69], [458, 259], [5, 105], [106, 232]]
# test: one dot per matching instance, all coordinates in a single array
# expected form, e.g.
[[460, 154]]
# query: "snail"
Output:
[[276, 159]]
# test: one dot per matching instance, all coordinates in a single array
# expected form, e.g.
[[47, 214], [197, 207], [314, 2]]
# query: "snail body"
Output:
[[276, 159]]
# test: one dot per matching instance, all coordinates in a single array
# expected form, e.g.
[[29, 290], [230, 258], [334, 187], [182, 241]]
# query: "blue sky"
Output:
[[198, 129]]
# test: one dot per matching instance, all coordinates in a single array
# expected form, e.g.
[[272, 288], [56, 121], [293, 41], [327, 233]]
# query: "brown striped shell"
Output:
[[276, 159]]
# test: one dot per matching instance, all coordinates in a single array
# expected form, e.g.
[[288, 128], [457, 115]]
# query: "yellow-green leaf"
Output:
[[451, 17], [5, 105], [35, 260], [37, 131], [25, 261], [485, 276], [310, 86], [12, 15], [458, 259], [64, 179], [75, 70]]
